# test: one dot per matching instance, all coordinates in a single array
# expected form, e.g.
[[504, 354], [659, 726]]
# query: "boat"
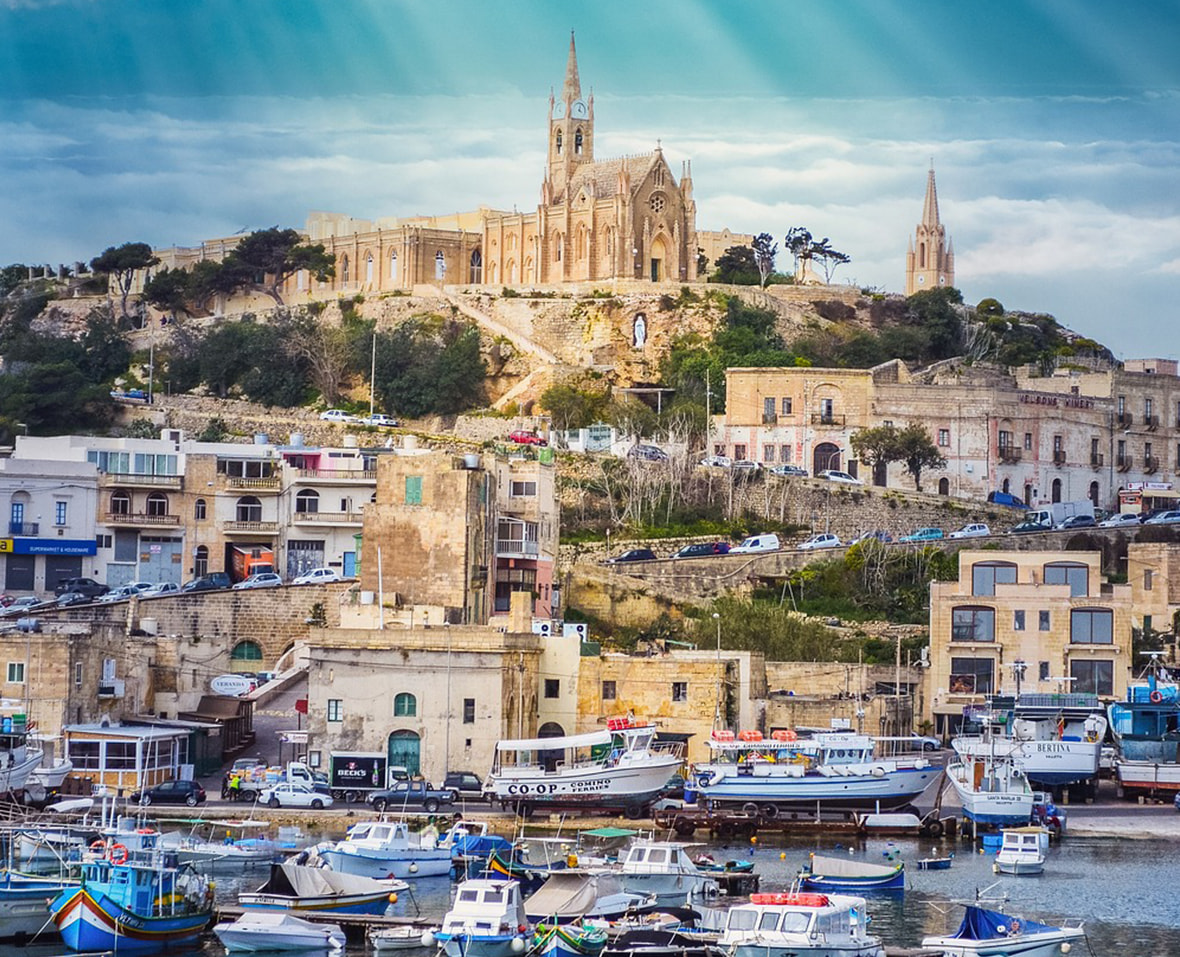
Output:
[[800, 925], [991, 786], [836, 769], [405, 937], [468, 839], [230, 853], [935, 863], [823, 873], [1022, 851], [664, 871], [568, 940], [487, 919], [387, 849], [988, 933], [22, 903], [132, 900], [298, 889], [279, 932], [1146, 731], [517, 866], [705, 862], [570, 895], [664, 942], [621, 768], [19, 757]]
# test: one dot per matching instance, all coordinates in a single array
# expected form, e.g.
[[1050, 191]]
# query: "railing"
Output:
[[134, 478], [514, 546], [140, 518], [827, 418], [769, 418], [237, 526], [1150, 464], [329, 518], [24, 528], [330, 475], [1152, 422], [1124, 419], [1124, 462], [1097, 459], [241, 481], [1009, 453], [1059, 457]]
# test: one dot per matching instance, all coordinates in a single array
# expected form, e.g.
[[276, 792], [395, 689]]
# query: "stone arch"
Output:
[[476, 274], [826, 455], [658, 258], [944, 486], [1055, 492], [246, 650]]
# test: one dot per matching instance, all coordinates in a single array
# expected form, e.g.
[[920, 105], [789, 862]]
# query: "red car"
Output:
[[524, 437]]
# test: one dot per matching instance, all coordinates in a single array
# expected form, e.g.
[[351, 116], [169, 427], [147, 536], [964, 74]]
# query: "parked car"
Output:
[[1028, 527], [318, 576], [1083, 521], [717, 461], [208, 582], [647, 453], [171, 792], [464, 784], [294, 794], [1004, 498], [87, 586], [927, 742], [124, 592], [633, 555], [797, 470], [928, 534], [526, 437], [746, 467], [1120, 520], [702, 550], [259, 580], [834, 475], [1164, 518], [338, 416], [766, 542], [74, 598], [821, 540], [160, 588], [380, 420], [23, 605], [974, 530]]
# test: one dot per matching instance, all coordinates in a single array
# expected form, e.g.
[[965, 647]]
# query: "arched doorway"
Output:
[[944, 486], [1094, 493], [405, 750], [1056, 493], [550, 729], [826, 456], [880, 474], [476, 272], [659, 259], [1006, 486]]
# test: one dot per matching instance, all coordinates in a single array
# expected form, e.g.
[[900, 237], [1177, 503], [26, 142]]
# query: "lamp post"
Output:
[[447, 755], [717, 706]]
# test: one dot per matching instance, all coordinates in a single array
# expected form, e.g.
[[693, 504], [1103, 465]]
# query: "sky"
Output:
[[1053, 127]]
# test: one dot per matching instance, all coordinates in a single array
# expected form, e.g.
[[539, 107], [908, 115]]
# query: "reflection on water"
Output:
[[1125, 891]]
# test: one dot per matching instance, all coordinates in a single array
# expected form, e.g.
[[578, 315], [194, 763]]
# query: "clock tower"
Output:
[[571, 130], [930, 259]]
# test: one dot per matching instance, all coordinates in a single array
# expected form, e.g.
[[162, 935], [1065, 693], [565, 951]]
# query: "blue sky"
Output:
[[1053, 126]]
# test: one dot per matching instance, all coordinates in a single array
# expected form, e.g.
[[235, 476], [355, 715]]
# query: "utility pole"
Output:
[[372, 371]]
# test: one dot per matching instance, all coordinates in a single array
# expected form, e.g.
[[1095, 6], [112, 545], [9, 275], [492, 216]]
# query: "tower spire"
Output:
[[572, 90], [930, 207]]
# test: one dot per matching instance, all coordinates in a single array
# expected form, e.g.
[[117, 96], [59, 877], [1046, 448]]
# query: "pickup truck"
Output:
[[410, 794]]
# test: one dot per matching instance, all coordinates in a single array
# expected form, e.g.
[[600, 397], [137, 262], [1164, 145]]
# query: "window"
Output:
[[249, 509], [552, 688], [785, 405], [679, 690], [986, 575], [1147, 409], [405, 705], [1122, 406], [201, 561], [972, 676], [1091, 626], [1018, 620], [78, 674], [83, 754], [200, 510], [1028, 441], [308, 500], [523, 490], [1092, 677], [393, 267], [246, 650], [469, 711], [413, 489], [440, 265], [120, 755], [768, 410], [157, 504], [1043, 621], [827, 409], [768, 453], [120, 503], [103, 541], [1069, 573], [609, 691], [335, 709], [973, 624], [1147, 579], [1005, 439], [59, 513], [786, 455], [739, 453], [1043, 670], [369, 268], [944, 438], [16, 672]]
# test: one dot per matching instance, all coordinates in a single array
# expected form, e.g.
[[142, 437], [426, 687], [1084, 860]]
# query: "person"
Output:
[[235, 786]]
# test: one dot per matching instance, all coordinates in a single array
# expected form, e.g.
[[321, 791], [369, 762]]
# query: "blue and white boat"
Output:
[[384, 850], [992, 787], [487, 919], [836, 769], [1146, 729], [822, 873], [800, 925], [22, 903], [139, 902], [299, 889], [988, 933]]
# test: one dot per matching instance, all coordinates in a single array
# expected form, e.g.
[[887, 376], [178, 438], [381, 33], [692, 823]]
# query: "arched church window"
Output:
[[393, 266], [921, 255], [440, 265], [558, 247], [344, 268], [578, 142], [476, 266], [559, 142], [659, 176], [369, 268]]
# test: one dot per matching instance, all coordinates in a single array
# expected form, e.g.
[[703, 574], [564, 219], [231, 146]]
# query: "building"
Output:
[[930, 259], [1043, 621]]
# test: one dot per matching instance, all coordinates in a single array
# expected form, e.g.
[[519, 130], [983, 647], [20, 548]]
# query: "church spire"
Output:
[[573, 86], [930, 207], [930, 256]]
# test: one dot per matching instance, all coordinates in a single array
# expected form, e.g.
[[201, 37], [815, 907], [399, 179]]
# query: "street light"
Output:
[[717, 707]]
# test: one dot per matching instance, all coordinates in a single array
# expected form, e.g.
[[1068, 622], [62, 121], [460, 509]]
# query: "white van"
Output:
[[767, 542]]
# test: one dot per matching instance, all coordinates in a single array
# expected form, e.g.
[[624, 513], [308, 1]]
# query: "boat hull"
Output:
[[383, 866], [1029, 945], [479, 945], [868, 791], [626, 787], [670, 889], [22, 905], [89, 923], [336, 904], [569, 942], [247, 940], [856, 885], [810, 949], [1020, 868]]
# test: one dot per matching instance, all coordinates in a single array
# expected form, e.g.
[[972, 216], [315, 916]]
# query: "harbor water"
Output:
[[1125, 891]]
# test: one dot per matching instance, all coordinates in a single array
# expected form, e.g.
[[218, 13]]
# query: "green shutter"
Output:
[[413, 489]]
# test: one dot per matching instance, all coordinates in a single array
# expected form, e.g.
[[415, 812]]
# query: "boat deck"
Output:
[[349, 923]]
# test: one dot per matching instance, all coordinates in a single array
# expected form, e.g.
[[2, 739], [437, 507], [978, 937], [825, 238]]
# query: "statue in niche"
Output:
[[640, 331]]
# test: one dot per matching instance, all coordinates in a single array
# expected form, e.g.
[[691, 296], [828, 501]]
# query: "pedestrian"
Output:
[[235, 785]]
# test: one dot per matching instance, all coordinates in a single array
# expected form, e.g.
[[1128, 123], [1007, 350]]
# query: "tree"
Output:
[[765, 249], [876, 446], [918, 452], [828, 258], [798, 244], [737, 266], [425, 367], [570, 407], [169, 290], [277, 254], [330, 353], [936, 311], [121, 263], [11, 277]]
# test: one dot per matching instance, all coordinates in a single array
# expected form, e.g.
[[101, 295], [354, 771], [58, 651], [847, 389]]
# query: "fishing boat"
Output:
[[138, 901], [683, 941], [387, 849], [935, 863], [664, 871], [570, 895], [822, 873], [568, 940], [1022, 851], [19, 756], [836, 769], [406, 937], [22, 903], [798, 924], [992, 787], [520, 866], [298, 889], [277, 932], [621, 768], [487, 919], [988, 933], [1146, 730], [467, 839], [227, 854], [705, 862]]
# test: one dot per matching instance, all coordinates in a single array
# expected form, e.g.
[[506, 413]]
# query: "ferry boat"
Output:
[[1146, 730], [800, 925], [620, 768], [836, 769]]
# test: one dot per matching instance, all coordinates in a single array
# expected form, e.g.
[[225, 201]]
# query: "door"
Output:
[[826, 456], [405, 749], [349, 565], [60, 567], [19, 572], [160, 559], [303, 556]]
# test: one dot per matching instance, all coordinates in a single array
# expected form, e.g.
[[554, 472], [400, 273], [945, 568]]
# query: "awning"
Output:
[[556, 744]]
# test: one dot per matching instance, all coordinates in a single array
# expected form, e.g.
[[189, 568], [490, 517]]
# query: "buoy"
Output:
[[393, 898], [753, 838], [413, 868], [782, 856], [517, 945], [427, 938]]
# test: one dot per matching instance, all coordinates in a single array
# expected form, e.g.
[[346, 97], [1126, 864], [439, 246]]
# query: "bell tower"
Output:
[[571, 130], [930, 259]]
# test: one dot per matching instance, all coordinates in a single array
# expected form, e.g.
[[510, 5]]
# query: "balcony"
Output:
[[135, 480], [27, 529], [1151, 464], [142, 519], [268, 483], [827, 418], [1152, 422], [111, 688], [238, 527], [1009, 453], [515, 548], [328, 518], [769, 418], [1125, 419], [333, 476], [1097, 459], [1124, 462], [1058, 456]]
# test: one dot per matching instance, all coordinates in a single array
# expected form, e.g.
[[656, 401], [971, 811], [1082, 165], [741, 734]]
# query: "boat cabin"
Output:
[[794, 915], [619, 744], [659, 857], [485, 907]]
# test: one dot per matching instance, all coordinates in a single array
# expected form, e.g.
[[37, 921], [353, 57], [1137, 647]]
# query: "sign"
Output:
[[6, 545], [48, 546], [233, 685], [1068, 401], [301, 706]]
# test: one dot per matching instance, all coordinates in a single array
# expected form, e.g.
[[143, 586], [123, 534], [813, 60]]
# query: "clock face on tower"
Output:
[[578, 110], [921, 280], [558, 110]]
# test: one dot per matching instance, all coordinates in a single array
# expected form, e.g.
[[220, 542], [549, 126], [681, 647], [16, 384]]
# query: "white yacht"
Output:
[[800, 925], [1022, 851], [385, 849]]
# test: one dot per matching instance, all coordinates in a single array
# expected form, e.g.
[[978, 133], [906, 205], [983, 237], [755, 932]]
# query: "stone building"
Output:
[[930, 259], [1045, 620]]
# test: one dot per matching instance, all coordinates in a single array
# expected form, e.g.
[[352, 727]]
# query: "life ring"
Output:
[[99, 846], [1155, 697], [117, 854]]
